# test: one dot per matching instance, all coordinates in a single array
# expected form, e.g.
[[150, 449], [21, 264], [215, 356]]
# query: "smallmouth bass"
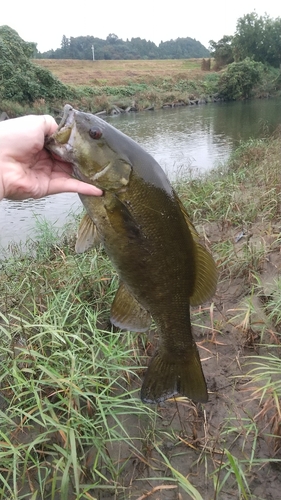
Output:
[[148, 236]]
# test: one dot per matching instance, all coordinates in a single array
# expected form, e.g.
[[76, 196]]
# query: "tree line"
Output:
[[249, 57], [256, 37], [82, 47]]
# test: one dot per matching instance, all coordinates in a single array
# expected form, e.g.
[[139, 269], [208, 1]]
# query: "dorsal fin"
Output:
[[206, 275]]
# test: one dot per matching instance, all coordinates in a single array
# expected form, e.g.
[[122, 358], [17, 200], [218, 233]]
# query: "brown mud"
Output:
[[195, 437]]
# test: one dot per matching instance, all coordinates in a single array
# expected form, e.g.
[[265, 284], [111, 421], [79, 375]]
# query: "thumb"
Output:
[[49, 124]]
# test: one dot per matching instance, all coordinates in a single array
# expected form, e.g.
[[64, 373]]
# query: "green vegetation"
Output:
[[27, 87], [222, 51], [250, 60], [71, 422], [21, 80], [239, 79], [256, 37], [115, 48]]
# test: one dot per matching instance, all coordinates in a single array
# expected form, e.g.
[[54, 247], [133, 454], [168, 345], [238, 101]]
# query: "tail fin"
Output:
[[167, 376]]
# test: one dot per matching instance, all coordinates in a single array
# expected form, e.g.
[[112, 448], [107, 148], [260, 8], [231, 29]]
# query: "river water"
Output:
[[186, 141]]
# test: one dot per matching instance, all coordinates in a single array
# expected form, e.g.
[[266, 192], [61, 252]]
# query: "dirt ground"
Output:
[[195, 437]]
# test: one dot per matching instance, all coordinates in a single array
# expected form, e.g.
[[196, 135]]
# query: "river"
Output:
[[186, 141]]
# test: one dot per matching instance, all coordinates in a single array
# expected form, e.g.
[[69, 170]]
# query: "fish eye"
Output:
[[95, 133]]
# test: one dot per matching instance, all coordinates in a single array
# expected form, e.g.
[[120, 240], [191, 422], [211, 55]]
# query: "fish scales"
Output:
[[151, 242]]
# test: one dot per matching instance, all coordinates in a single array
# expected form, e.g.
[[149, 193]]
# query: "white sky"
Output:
[[46, 22]]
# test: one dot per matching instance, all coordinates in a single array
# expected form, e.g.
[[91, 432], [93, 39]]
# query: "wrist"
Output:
[[12, 185], [4, 159], [2, 167]]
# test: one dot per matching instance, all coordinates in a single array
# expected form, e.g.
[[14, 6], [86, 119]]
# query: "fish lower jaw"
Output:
[[63, 152]]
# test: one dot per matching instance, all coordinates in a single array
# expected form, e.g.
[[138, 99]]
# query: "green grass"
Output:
[[244, 199], [68, 381], [71, 422]]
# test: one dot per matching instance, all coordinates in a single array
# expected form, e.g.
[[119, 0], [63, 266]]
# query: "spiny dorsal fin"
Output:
[[87, 236]]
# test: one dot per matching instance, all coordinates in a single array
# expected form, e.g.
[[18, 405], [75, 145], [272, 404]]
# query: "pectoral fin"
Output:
[[87, 236], [127, 313], [121, 219]]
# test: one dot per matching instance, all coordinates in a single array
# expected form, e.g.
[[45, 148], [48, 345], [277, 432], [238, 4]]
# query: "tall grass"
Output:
[[71, 422], [69, 382], [238, 211]]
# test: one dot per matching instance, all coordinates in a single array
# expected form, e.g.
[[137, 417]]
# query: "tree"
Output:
[[116, 48], [65, 47], [182, 48], [222, 51], [140, 48], [112, 38], [258, 37], [64, 42]]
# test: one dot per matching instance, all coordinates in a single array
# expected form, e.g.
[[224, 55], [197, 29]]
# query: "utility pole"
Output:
[[93, 50]]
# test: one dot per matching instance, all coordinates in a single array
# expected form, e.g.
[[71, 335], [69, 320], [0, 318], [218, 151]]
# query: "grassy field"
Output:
[[113, 73], [71, 422], [115, 85], [102, 85]]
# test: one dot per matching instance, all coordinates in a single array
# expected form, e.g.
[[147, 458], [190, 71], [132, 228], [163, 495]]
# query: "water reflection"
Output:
[[18, 218], [245, 119], [180, 139], [185, 141]]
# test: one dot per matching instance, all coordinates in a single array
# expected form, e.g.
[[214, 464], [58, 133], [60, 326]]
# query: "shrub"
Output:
[[21, 80], [239, 79]]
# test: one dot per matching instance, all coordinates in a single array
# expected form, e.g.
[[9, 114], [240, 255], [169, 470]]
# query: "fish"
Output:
[[162, 265]]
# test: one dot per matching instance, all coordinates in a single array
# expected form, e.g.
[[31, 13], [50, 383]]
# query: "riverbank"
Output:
[[72, 425], [115, 86]]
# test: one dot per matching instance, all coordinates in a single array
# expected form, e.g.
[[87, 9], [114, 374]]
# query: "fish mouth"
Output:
[[63, 132], [67, 119], [60, 141], [63, 137]]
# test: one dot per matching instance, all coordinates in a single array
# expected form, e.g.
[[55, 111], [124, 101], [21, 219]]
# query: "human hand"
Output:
[[27, 170]]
